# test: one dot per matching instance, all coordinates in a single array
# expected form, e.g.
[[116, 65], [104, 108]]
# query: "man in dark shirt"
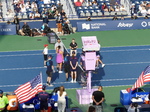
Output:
[[73, 47], [26, 29], [98, 98], [50, 70], [17, 9], [43, 97], [16, 21]]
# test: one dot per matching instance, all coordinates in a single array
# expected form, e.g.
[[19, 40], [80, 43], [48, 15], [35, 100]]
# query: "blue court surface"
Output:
[[123, 67]]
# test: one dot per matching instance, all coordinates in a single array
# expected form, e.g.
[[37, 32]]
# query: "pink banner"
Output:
[[90, 43], [90, 60]]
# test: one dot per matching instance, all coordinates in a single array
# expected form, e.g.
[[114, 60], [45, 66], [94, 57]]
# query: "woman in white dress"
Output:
[[61, 99]]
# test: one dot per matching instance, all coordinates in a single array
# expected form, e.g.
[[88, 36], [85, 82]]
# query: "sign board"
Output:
[[90, 60], [90, 43]]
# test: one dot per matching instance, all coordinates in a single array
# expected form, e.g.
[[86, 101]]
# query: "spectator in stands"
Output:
[[98, 98], [46, 1], [16, 2], [37, 15], [122, 8], [143, 11], [53, 7], [10, 15], [111, 8], [78, 3], [43, 97], [40, 2], [27, 5], [104, 8], [94, 3], [133, 10], [117, 9], [59, 7], [61, 99], [62, 13], [34, 9], [59, 23], [4, 102], [17, 9], [33, 5], [73, 64], [91, 109], [16, 21], [23, 9], [144, 3], [31, 15]]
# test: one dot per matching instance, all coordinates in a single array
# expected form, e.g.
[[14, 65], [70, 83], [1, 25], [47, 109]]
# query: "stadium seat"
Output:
[[124, 13], [82, 14], [90, 8], [25, 16], [87, 13], [112, 13], [99, 13], [106, 13], [94, 14]]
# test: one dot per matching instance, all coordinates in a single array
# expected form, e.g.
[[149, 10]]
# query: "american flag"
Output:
[[28, 90], [144, 77]]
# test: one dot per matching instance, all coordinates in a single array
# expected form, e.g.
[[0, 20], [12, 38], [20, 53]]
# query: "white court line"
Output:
[[77, 82], [78, 52], [78, 48], [23, 55], [55, 66]]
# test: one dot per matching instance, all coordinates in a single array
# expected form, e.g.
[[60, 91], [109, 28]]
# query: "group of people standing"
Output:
[[67, 62]]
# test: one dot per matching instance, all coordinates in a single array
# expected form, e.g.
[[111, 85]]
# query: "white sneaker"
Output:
[[51, 85], [74, 81], [103, 65], [71, 81], [60, 72]]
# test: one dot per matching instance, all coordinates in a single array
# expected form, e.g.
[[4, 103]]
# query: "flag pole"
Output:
[[41, 78]]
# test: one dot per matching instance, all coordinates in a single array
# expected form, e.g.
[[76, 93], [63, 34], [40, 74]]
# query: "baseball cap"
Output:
[[50, 56], [45, 45], [44, 87], [1, 91]]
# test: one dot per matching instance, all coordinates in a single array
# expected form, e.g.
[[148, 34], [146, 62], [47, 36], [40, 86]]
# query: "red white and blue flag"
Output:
[[28, 90], [144, 77]]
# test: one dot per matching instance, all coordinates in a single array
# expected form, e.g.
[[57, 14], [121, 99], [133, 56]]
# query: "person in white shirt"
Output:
[[33, 4], [143, 11], [61, 99], [45, 53], [31, 16], [23, 8], [133, 107], [27, 5], [46, 1], [37, 15], [122, 8]]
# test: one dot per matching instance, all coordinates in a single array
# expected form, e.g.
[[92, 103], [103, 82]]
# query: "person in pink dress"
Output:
[[59, 58]]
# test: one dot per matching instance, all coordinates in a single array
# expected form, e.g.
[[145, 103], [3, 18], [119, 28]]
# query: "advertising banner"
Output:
[[113, 25], [7, 29]]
